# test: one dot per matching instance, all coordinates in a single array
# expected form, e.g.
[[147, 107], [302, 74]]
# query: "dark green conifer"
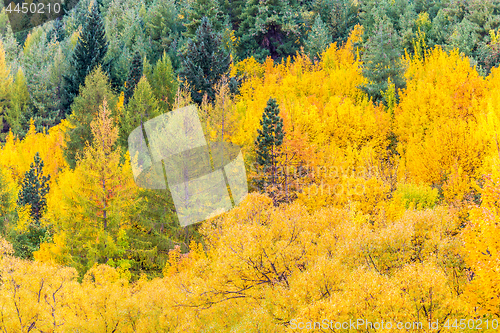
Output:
[[56, 32], [34, 189], [89, 53], [339, 16], [233, 9], [205, 62], [382, 61], [269, 140], [134, 76], [318, 39], [164, 27]]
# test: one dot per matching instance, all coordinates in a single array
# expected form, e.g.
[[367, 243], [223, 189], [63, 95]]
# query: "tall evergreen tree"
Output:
[[34, 189], [125, 32], [134, 75], [120, 55], [268, 141], [56, 32], [85, 107], [340, 17], [382, 61], [142, 106], [9, 41], [163, 82], [89, 53], [205, 62], [318, 39]]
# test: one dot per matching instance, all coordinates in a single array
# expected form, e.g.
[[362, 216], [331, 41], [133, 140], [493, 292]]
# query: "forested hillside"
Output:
[[369, 131]]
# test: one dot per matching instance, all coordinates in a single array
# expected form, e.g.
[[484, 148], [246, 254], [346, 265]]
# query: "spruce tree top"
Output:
[[271, 135], [89, 52], [92, 44], [382, 61], [134, 76], [205, 62], [34, 188]]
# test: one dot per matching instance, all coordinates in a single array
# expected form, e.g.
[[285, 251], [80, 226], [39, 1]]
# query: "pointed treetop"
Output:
[[104, 129]]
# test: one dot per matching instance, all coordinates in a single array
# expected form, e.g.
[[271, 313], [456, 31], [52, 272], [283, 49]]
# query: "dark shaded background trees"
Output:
[[89, 53], [164, 27], [272, 28], [205, 62], [134, 75]]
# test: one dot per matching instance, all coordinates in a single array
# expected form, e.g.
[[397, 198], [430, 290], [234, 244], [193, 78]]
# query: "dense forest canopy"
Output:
[[369, 133]]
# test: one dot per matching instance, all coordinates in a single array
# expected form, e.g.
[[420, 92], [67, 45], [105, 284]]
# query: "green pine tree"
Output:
[[147, 68], [120, 55], [9, 41], [163, 82], [97, 88], [134, 75], [270, 28], [205, 62], [34, 189], [164, 28], [382, 61], [56, 32], [125, 31], [89, 53], [142, 106], [318, 39], [5, 93], [200, 9], [268, 141]]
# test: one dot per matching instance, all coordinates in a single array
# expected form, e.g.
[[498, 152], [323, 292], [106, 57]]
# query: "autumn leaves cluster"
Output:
[[418, 244]]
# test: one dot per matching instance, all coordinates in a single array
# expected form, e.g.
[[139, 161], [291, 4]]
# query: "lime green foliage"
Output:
[[417, 196]]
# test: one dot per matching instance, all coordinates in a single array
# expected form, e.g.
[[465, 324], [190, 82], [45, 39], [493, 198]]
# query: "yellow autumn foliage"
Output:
[[395, 219], [482, 249], [437, 120], [263, 267], [17, 155]]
